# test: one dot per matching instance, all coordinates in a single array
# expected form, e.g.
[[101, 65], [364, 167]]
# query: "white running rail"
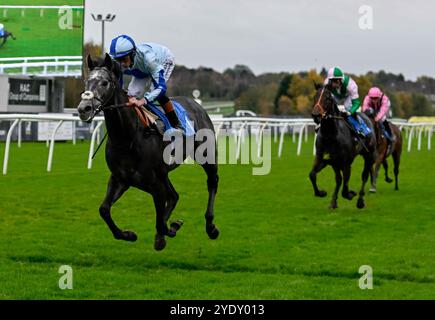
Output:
[[238, 128], [56, 65]]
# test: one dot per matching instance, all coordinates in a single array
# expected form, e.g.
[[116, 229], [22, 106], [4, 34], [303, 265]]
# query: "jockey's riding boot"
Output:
[[172, 116], [355, 124], [388, 135], [388, 130]]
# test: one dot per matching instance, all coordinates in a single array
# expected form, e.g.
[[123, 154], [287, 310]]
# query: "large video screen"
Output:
[[40, 28]]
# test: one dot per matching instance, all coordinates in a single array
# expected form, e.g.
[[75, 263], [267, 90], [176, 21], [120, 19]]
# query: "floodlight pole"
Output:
[[99, 18]]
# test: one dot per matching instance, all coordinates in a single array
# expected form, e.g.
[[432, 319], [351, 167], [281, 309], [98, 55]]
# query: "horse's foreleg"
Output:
[[212, 186], [115, 190], [338, 181], [347, 194], [368, 166], [319, 164]]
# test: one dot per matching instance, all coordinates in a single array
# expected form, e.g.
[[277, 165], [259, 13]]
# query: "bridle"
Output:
[[102, 105], [319, 105]]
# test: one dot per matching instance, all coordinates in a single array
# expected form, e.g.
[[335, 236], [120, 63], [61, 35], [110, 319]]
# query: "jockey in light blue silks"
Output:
[[144, 61], [345, 89], [4, 33]]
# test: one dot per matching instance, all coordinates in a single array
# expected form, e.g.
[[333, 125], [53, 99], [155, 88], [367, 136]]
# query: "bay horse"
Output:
[[134, 155], [336, 146], [384, 152]]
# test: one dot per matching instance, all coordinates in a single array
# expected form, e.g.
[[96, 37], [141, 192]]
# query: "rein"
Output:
[[319, 105]]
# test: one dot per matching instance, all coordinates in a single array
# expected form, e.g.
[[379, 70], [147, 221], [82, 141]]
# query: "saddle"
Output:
[[149, 120], [153, 117]]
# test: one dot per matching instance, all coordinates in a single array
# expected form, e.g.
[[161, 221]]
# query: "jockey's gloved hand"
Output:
[[345, 113], [354, 115]]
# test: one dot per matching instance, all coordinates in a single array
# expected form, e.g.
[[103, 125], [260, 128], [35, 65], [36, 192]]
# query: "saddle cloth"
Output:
[[183, 116]]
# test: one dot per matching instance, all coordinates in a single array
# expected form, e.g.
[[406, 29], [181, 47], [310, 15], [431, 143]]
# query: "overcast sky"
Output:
[[279, 35]]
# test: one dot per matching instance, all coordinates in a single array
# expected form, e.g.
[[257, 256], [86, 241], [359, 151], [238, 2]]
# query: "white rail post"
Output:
[[74, 133], [19, 134], [98, 136], [301, 135], [293, 134], [410, 136], [260, 139], [91, 149], [239, 140], [314, 144], [281, 139], [8, 144], [50, 152], [306, 133], [420, 133], [218, 130], [429, 138]]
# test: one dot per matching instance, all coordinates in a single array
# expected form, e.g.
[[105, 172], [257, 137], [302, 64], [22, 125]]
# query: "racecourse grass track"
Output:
[[41, 36], [277, 241]]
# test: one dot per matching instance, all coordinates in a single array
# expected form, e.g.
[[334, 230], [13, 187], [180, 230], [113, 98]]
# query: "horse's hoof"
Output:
[[350, 195], [213, 232], [388, 180], [321, 194], [159, 243], [175, 226], [127, 236], [333, 206], [372, 190], [360, 204]]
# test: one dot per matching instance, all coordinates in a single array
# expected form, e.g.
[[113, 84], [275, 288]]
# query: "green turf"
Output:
[[277, 241], [41, 36]]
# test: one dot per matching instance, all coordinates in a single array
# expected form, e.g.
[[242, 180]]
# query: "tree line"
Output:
[[286, 94]]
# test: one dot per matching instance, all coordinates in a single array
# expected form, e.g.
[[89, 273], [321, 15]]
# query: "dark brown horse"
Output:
[[384, 151], [336, 146]]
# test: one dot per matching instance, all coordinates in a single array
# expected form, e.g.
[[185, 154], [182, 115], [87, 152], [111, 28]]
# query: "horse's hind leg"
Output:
[[346, 193], [170, 206], [396, 160], [385, 164], [160, 197], [115, 190], [368, 166], [212, 185], [374, 176]]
